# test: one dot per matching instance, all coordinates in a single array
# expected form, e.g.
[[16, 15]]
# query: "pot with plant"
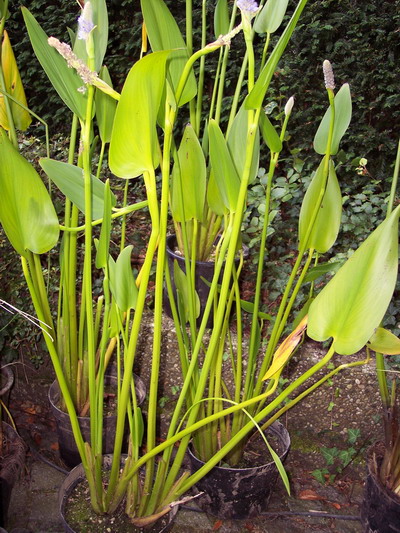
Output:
[[152, 480], [380, 510], [337, 312]]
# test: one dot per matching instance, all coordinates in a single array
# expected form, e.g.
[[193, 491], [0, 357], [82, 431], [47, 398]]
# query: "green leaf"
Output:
[[14, 87], [302, 313], [164, 34], [269, 134], [224, 169], [321, 269], [214, 199], [105, 232], [122, 282], [181, 283], [69, 179], [256, 97], [329, 454], [99, 35], [320, 475], [327, 223], [221, 18], [237, 144], [26, 210], [343, 111], [353, 435], [271, 16], [353, 303], [134, 141], [383, 341], [65, 80], [189, 179], [105, 108], [346, 456]]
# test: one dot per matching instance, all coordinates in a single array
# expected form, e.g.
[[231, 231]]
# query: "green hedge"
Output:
[[360, 38]]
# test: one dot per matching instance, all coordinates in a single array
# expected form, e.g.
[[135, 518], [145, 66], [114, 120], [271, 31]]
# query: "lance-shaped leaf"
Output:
[[256, 97], [223, 167], [321, 269], [122, 282], [221, 18], [237, 144], [164, 34], [3, 12], [214, 198], [65, 80], [181, 283], [383, 341], [286, 349], [105, 108], [343, 111], [14, 87], [69, 179], [327, 222], [99, 34], [103, 246], [269, 134], [26, 210], [189, 179], [134, 142], [271, 16], [353, 303]]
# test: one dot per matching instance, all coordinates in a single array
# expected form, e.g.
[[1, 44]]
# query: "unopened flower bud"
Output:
[[328, 75], [289, 106]]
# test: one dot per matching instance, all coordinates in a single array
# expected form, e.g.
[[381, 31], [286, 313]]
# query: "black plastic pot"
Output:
[[12, 451], [76, 476], [380, 510], [238, 493], [204, 269], [67, 446]]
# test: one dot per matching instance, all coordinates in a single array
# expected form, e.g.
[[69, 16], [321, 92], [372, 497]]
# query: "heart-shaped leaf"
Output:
[[353, 303], [26, 210]]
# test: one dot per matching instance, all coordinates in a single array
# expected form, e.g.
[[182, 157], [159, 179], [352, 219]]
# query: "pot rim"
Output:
[[276, 427]]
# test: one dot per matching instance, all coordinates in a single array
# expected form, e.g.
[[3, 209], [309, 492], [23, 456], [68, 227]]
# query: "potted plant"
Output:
[[231, 159], [380, 510], [152, 482]]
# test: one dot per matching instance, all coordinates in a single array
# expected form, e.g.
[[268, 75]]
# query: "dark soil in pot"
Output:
[[12, 459], [68, 450], [380, 510], [78, 516], [238, 493]]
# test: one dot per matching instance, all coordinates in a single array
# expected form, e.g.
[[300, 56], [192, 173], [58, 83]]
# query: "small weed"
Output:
[[337, 460]]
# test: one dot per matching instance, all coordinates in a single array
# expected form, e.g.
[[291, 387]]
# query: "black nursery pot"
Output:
[[67, 446], [239, 493], [204, 269], [77, 476], [13, 458], [380, 510]]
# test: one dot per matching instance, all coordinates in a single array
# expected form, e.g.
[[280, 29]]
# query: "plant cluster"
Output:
[[205, 173]]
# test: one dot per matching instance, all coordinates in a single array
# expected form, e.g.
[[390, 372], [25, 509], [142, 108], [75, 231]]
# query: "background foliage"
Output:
[[360, 38]]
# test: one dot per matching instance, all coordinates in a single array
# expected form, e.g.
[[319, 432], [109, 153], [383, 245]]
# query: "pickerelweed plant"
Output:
[[229, 160], [143, 136]]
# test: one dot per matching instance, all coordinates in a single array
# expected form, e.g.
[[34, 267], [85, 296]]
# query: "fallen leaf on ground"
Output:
[[309, 494], [217, 525]]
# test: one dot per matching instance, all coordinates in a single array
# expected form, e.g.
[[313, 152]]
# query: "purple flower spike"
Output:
[[248, 6], [85, 23]]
